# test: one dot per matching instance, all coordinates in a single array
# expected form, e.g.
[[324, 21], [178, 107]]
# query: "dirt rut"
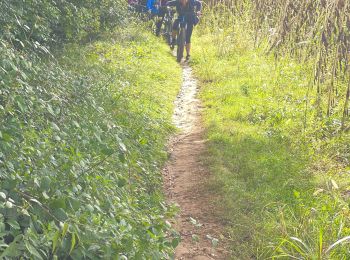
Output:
[[185, 176]]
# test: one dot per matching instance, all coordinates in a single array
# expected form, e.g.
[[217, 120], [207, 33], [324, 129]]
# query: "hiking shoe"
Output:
[[188, 57]]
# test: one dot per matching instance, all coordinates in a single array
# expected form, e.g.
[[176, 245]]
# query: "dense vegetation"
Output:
[[275, 86], [84, 114], [85, 106]]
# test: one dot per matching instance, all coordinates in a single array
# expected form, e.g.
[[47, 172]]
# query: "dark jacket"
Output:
[[189, 11]]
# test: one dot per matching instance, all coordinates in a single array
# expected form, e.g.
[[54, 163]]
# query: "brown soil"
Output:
[[185, 178]]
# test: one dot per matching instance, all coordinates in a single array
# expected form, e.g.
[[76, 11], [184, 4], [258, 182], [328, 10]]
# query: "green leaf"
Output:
[[45, 183], [2, 227], [45, 195], [24, 221], [13, 250], [32, 250], [73, 242], [21, 103], [74, 203], [54, 126], [60, 214], [6, 137], [50, 110], [13, 223], [65, 229], [9, 184], [296, 194], [55, 240], [175, 242], [122, 158], [58, 203], [107, 151], [121, 182], [36, 201]]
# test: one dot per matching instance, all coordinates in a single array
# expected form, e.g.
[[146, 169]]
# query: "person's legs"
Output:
[[160, 21], [188, 39], [174, 33], [158, 26]]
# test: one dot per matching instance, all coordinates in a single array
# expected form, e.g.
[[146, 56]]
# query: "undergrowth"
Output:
[[281, 169], [82, 135]]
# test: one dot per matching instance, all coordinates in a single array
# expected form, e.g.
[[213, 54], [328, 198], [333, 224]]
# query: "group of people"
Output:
[[189, 10]]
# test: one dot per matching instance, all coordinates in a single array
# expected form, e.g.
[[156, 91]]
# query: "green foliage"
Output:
[[313, 32], [281, 168], [82, 133], [37, 22]]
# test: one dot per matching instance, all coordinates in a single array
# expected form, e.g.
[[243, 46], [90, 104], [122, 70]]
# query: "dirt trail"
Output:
[[185, 177]]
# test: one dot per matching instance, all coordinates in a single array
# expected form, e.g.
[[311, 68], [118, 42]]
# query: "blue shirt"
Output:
[[151, 6]]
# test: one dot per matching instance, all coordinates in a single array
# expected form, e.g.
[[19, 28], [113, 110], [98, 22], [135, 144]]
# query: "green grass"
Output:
[[277, 171]]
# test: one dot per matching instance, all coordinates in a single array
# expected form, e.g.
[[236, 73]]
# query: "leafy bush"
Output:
[[45, 21], [81, 136]]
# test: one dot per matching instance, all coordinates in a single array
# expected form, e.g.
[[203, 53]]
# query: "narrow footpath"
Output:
[[185, 176]]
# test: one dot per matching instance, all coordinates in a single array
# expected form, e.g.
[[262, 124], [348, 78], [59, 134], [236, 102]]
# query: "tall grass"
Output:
[[307, 30], [279, 159]]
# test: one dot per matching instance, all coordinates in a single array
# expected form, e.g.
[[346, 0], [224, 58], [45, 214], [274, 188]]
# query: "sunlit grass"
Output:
[[274, 162]]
